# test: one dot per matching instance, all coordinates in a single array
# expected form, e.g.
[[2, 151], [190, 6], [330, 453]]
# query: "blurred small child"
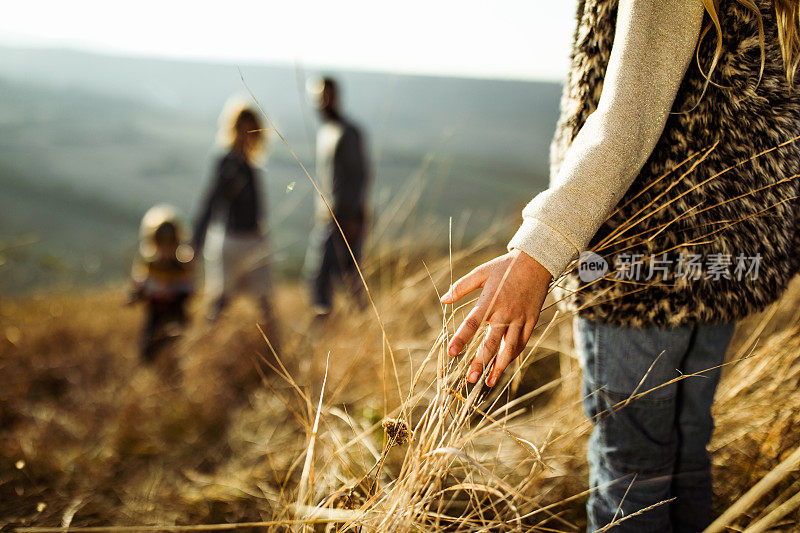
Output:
[[163, 278]]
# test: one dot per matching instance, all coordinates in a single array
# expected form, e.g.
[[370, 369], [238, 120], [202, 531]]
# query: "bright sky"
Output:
[[526, 39]]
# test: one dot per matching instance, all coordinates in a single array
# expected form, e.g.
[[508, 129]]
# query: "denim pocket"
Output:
[[639, 436], [640, 360]]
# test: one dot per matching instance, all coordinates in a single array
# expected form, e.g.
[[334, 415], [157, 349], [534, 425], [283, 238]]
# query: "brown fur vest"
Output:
[[747, 216]]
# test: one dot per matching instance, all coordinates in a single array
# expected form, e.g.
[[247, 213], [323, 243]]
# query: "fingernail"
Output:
[[490, 381], [454, 350], [473, 378]]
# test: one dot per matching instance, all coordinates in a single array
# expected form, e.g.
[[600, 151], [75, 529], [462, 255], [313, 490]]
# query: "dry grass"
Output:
[[222, 431], [364, 424]]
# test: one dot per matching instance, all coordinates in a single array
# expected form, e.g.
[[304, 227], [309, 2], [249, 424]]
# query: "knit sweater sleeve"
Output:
[[653, 46]]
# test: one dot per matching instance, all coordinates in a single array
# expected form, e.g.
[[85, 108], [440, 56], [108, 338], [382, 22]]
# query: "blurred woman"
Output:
[[229, 230]]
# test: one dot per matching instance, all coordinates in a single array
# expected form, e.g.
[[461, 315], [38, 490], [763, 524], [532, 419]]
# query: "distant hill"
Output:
[[88, 142]]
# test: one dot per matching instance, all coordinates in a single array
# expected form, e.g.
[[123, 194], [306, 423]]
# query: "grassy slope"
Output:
[[215, 434]]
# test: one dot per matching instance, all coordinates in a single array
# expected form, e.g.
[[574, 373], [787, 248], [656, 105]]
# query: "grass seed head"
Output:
[[397, 430]]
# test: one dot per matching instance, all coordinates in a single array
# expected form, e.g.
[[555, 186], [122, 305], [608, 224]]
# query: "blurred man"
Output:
[[342, 176]]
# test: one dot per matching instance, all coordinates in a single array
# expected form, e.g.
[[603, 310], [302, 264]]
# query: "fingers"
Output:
[[527, 331], [512, 346], [467, 330], [476, 367], [487, 350], [467, 284]]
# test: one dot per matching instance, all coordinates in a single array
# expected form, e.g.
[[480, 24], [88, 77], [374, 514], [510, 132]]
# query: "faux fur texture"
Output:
[[744, 211]]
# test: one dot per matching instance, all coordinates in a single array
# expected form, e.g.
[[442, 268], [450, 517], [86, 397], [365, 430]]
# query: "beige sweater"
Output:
[[654, 44]]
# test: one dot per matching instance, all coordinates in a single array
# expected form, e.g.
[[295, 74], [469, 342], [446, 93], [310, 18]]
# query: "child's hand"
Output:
[[514, 288]]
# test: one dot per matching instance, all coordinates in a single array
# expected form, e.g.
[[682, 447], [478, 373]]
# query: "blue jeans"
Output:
[[653, 447]]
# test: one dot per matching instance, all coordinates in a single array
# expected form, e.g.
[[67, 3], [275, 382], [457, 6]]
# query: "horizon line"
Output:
[[252, 62]]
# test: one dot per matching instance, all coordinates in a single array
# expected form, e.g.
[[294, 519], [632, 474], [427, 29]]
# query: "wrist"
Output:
[[529, 263], [547, 245]]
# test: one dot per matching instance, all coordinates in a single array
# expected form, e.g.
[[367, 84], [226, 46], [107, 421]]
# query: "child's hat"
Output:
[[154, 218]]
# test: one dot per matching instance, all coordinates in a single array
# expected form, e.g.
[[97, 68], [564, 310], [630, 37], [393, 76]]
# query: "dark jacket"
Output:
[[232, 198], [350, 176]]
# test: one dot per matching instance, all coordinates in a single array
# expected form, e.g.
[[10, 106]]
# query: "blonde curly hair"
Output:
[[787, 13], [241, 128]]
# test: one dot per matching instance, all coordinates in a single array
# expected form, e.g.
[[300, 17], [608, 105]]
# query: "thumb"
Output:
[[470, 282]]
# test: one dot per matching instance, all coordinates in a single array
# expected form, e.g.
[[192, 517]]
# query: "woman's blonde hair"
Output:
[[787, 13], [240, 128]]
